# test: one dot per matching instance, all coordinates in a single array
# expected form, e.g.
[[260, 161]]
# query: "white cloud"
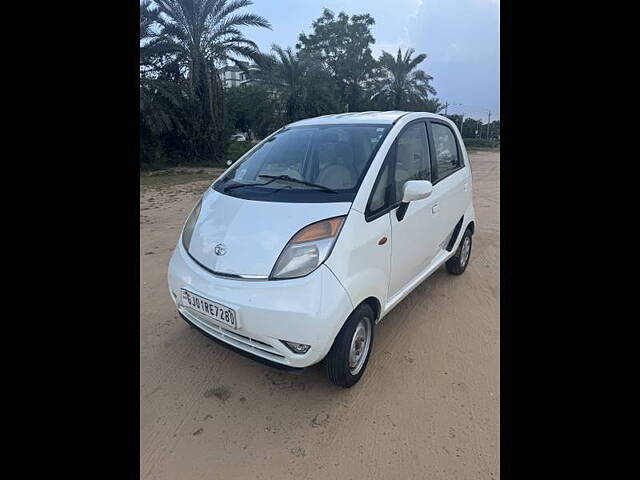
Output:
[[462, 40]]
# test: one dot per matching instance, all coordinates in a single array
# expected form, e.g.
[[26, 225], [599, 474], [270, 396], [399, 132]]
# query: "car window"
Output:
[[305, 163], [412, 157], [287, 157], [447, 156], [382, 191]]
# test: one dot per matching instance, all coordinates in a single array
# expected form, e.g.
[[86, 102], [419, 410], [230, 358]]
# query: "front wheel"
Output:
[[348, 357], [457, 264]]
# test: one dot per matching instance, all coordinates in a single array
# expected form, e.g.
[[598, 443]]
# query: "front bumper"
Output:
[[309, 310]]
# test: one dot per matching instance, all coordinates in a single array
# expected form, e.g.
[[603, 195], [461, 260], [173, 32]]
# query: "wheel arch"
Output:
[[375, 305], [471, 227]]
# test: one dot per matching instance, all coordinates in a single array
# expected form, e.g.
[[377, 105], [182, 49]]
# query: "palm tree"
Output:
[[161, 100], [397, 84], [157, 52], [299, 86], [148, 17], [432, 105], [205, 34]]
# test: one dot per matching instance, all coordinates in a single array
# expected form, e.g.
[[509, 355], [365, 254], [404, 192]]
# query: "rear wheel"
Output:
[[457, 264], [349, 355]]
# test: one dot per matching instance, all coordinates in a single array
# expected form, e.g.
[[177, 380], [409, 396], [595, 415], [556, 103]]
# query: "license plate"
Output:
[[210, 309]]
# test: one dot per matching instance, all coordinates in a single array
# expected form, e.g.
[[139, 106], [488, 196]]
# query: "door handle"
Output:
[[466, 186], [436, 208]]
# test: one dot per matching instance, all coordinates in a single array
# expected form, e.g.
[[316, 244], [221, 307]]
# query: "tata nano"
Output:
[[303, 245]]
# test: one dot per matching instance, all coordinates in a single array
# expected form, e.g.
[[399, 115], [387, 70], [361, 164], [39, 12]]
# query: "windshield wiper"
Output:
[[248, 185], [287, 178]]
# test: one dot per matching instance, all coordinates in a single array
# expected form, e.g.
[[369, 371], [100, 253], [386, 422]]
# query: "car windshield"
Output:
[[306, 164]]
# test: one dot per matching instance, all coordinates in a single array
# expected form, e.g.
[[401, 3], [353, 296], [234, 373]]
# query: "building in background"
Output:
[[234, 76]]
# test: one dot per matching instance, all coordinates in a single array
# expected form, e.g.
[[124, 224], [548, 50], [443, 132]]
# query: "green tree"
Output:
[[343, 45], [432, 105], [148, 32], [470, 127], [457, 119], [250, 109], [300, 87], [397, 85], [161, 101], [203, 35], [148, 19], [494, 129]]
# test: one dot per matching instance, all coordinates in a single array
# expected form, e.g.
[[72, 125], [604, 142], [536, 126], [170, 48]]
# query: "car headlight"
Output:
[[307, 249], [189, 225]]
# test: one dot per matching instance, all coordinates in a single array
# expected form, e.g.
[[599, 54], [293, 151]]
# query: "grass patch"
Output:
[[483, 149], [481, 143], [234, 152], [178, 176]]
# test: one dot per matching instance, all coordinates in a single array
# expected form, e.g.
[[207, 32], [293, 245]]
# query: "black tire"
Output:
[[186, 321], [337, 364], [454, 265]]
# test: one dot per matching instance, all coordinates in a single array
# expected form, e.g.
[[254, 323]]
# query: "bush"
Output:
[[152, 154], [481, 143], [237, 149]]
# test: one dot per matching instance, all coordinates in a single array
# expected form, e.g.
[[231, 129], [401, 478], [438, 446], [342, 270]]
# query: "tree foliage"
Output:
[[298, 85], [250, 110], [186, 42], [186, 114], [343, 46], [397, 84]]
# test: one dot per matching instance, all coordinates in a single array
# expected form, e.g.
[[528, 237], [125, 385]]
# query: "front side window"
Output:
[[447, 155], [306, 164], [382, 194], [408, 159], [412, 157]]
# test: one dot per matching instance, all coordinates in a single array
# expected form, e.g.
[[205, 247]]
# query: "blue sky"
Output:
[[460, 37]]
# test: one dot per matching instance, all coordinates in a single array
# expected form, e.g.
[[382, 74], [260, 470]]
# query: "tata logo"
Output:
[[220, 249]]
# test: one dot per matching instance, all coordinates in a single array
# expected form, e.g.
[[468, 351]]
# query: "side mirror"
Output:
[[416, 190], [411, 191]]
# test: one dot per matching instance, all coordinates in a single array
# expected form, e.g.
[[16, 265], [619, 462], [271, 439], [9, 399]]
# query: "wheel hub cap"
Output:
[[360, 343], [464, 253]]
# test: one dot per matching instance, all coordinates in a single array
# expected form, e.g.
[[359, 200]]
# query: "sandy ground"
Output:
[[427, 407]]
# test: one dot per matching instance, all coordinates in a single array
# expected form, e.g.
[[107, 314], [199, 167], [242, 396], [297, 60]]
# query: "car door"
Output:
[[414, 236], [450, 178]]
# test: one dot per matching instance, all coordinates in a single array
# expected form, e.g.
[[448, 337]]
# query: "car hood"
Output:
[[251, 233]]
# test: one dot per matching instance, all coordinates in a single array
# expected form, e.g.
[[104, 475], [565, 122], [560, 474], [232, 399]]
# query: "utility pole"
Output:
[[447, 105], [461, 122], [488, 123]]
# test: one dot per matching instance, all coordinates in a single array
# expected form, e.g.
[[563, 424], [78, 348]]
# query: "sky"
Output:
[[460, 37]]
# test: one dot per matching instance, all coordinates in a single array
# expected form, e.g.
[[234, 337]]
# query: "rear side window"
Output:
[[412, 156], [447, 154]]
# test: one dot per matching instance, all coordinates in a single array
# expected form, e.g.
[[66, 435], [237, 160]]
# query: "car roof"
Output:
[[383, 118]]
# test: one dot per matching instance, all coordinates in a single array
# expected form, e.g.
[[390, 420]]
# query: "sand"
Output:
[[427, 407]]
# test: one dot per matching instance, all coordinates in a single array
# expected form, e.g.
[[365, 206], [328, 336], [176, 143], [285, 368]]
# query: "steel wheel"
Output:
[[360, 344], [464, 252]]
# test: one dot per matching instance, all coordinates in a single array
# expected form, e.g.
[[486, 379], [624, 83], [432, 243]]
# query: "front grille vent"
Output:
[[233, 338]]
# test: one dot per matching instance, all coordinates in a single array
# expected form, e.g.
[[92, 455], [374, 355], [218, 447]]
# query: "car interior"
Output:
[[332, 157]]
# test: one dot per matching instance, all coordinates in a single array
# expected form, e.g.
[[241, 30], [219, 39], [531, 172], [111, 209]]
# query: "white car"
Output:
[[300, 248], [239, 137]]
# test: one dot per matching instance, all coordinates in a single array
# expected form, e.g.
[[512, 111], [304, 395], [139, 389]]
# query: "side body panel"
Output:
[[361, 258], [454, 189], [360, 238]]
